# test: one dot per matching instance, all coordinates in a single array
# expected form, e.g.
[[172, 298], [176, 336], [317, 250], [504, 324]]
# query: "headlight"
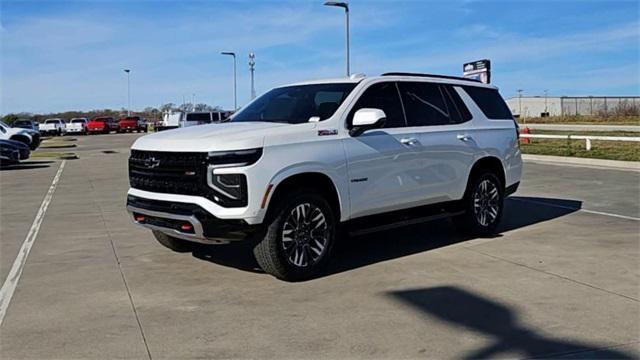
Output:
[[232, 186], [234, 158]]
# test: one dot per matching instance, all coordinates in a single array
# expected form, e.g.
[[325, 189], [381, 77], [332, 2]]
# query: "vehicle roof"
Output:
[[443, 79], [343, 80]]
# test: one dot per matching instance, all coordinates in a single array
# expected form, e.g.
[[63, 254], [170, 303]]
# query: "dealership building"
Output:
[[536, 106]]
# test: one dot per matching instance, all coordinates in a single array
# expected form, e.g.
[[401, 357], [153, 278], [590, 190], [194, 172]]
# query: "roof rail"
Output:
[[429, 75]]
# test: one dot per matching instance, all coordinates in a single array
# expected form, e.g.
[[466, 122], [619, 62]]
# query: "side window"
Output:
[[490, 102], [383, 96], [425, 104], [457, 106]]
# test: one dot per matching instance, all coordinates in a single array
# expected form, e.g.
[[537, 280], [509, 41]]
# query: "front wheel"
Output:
[[298, 238], [483, 204], [175, 244]]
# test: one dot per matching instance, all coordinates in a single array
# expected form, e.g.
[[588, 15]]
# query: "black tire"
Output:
[[175, 244], [271, 251], [475, 205]]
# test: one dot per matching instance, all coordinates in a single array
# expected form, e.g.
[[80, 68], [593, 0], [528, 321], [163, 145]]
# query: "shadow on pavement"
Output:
[[473, 312], [355, 252], [26, 165]]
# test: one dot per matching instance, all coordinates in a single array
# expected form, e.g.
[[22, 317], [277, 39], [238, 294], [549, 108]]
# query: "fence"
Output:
[[603, 105], [586, 138]]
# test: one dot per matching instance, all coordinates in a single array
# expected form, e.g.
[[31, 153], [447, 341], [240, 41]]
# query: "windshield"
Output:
[[53, 121], [296, 104], [78, 121], [100, 119]]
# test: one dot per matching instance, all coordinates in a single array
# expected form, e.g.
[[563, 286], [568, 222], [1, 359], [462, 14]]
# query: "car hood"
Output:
[[213, 137], [19, 131]]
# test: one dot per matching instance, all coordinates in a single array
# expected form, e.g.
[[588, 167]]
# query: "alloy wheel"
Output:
[[305, 235], [486, 206]]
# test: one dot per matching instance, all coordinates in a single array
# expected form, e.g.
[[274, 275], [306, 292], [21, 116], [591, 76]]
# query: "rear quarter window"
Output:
[[490, 102]]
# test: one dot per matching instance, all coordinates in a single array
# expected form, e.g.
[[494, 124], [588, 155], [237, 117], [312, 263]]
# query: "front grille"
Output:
[[183, 173], [166, 172]]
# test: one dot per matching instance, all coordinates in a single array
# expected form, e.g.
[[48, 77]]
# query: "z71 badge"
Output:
[[326, 132]]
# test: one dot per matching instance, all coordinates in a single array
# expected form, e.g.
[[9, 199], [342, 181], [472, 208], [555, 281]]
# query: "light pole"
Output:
[[520, 101], [235, 97], [345, 6], [128, 71], [252, 68]]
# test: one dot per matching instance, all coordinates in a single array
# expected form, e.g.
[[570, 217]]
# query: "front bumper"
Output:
[[187, 221], [10, 155]]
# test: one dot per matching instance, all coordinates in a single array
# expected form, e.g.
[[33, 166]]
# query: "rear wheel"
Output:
[[483, 204], [298, 238], [175, 244]]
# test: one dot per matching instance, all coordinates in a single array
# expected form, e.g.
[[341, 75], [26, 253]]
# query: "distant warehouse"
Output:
[[540, 106]]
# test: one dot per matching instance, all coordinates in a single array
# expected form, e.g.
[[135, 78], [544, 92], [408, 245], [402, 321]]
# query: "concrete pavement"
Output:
[[561, 280]]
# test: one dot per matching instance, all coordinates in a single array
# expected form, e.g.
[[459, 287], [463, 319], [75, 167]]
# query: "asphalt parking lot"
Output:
[[561, 280]]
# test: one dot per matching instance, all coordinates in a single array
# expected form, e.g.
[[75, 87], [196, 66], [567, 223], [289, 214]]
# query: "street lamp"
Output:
[[520, 104], [235, 97], [128, 71], [252, 67], [345, 6]]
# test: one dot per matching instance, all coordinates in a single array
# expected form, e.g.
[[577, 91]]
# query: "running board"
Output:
[[400, 218], [403, 223]]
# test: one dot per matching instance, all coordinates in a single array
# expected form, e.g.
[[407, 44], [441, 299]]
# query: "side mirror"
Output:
[[365, 119]]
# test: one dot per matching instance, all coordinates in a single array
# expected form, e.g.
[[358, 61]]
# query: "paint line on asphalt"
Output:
[[578, 209], [10, 283]]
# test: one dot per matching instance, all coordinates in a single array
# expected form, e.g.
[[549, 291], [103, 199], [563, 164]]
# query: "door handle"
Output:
[[408, 141], [464, 137]]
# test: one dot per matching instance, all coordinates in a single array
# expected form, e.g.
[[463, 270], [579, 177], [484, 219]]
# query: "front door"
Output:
[[381, 161]]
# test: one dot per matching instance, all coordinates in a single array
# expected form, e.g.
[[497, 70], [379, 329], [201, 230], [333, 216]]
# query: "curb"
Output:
[[614, 164]]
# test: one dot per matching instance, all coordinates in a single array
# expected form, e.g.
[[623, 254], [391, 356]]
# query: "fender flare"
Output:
[[311, 168]]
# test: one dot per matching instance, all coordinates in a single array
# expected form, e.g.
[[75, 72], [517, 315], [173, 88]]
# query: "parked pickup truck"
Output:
[[53, 127], [132, 123], [26, 124], [28, 137], [102, 124], [77, 126]]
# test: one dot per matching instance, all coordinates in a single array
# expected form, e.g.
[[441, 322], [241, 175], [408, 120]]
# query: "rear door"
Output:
[[381, 161], [437, 116]]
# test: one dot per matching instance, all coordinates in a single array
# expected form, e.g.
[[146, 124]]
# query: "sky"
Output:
[[70, 55]]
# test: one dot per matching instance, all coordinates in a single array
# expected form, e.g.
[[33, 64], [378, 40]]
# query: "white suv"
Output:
[[303, 162]]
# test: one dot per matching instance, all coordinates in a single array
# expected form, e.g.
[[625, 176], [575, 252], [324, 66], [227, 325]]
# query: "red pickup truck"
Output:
[[102, 124], [131, 123]]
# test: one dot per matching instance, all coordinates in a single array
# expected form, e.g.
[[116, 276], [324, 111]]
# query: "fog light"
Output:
[[186, 227], [139, 218]]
